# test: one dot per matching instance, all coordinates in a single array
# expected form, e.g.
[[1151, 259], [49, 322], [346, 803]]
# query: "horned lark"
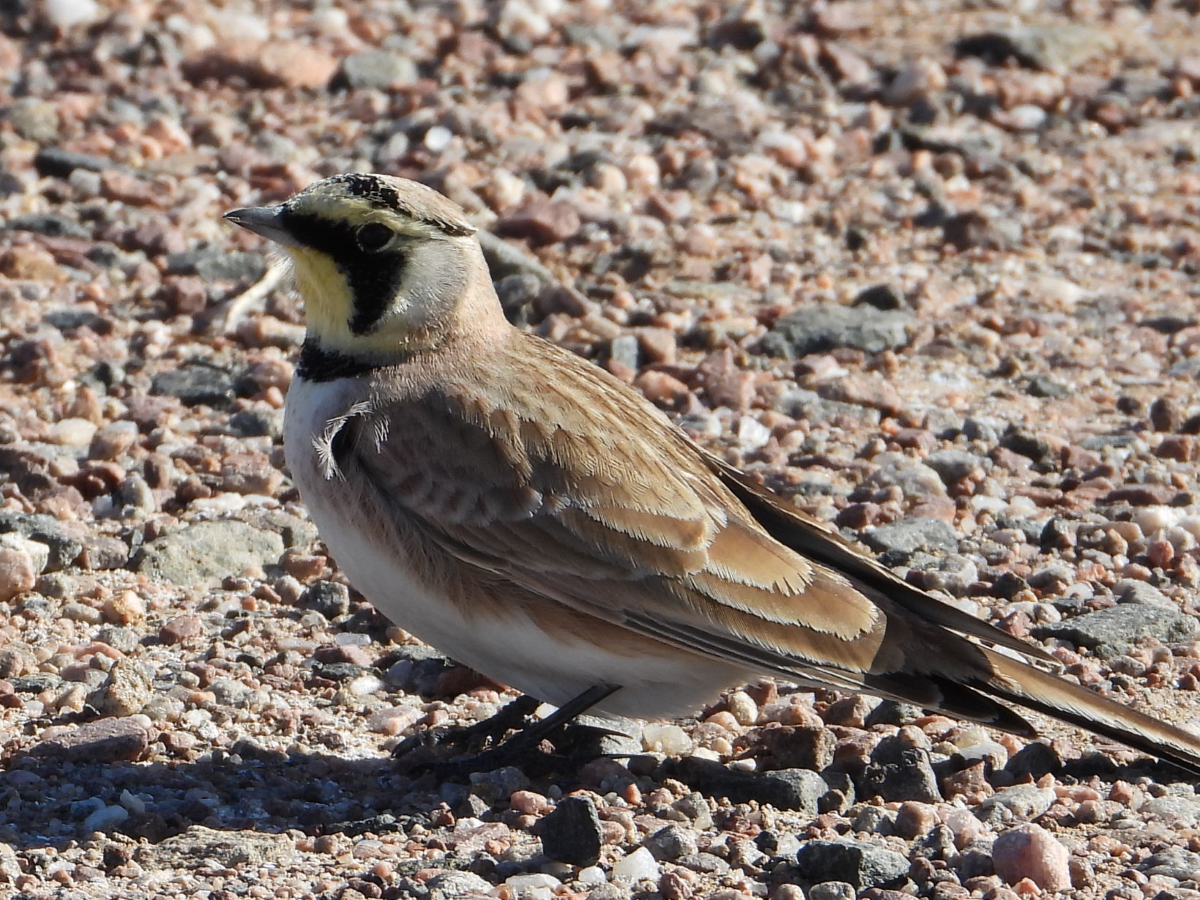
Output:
[[536, 519]]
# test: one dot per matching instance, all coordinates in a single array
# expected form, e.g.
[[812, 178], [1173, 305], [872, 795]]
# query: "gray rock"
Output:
[[953, 574], [125, 691], [379, 69], [798, 789], [832, 890], [48, 224], [1173, 862], [1129, 590], [1025, 801], [954, 465], [102, 741], [899, 771], [1115, 631], [671, 842], [195, 382], [1056, 48], [980, 430], [55, 163], [875, 820], [200, 846], [330, 598], [571, 832], [910, 535], [216, 264], [47, 530], [625, 350], [34, 119], [831, 326], [203, 554], [917, 480], [857, 863]]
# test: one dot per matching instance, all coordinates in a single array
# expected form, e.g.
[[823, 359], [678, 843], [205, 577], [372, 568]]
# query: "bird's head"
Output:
[[386, 266]]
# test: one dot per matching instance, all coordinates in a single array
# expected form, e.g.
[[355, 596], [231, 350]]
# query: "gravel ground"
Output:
[[929, 268]]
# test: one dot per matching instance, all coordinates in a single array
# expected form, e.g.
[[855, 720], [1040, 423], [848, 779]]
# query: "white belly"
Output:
[[512, 649]]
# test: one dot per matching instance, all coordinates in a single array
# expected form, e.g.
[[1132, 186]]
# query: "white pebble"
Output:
[[133, 803], [437, 138], [72, 432], [534, 886], [752, 434], [1152, 519], [743, 708], [592, 875], [639, 865], [68, 13], [105, 819], [364, 684], [394, 720], [658, 737]]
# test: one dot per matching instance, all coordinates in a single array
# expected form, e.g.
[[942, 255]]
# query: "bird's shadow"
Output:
[[44, 802]]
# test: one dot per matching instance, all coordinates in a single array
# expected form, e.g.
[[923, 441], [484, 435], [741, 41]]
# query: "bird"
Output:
[[535, 518]]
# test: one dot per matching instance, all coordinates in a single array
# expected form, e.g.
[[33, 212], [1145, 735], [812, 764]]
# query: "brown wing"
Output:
[[581, 492]]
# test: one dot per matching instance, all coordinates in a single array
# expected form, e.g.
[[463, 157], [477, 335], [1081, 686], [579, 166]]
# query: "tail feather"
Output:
[[1054, 696]]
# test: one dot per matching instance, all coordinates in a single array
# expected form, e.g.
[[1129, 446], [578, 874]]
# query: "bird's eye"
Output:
[[372, 237]]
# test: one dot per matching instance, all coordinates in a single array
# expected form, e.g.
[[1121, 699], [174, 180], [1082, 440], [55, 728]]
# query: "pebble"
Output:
[[66, 14], [859, 864], [203, 554], [18, 573], [910, 535], [103, 741], [1114, 632], [378, 69], [829, 327], [125, 691], [571, 833], [1030, 851], [637, 866]]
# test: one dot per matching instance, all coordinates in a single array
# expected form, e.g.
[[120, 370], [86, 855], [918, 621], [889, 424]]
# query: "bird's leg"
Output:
[[520, 746]]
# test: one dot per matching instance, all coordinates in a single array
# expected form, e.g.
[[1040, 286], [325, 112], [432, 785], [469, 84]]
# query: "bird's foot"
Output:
[[539, 744]]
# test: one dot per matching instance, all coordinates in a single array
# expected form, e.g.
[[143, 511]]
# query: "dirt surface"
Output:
[[927, 268]]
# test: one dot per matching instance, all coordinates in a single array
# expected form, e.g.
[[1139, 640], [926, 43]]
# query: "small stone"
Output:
[[330, 598], [671, 842], [205, 553], [127, 689], [180, 629], [17, 573], [572, 833], [742, 707], [16, 660], [899, 771], [194, 383], [198, 845], [792, 789], [857, 863], [66, 14], [113, 440], [832, 890], [102, 741], [378, 69], [828, 327], [35, 120], [1115, 631], [540, 220], [1026, 801], [1030, 851], [910, 535], [72, 432], [216, 265], [104, 819], [639, 865]]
